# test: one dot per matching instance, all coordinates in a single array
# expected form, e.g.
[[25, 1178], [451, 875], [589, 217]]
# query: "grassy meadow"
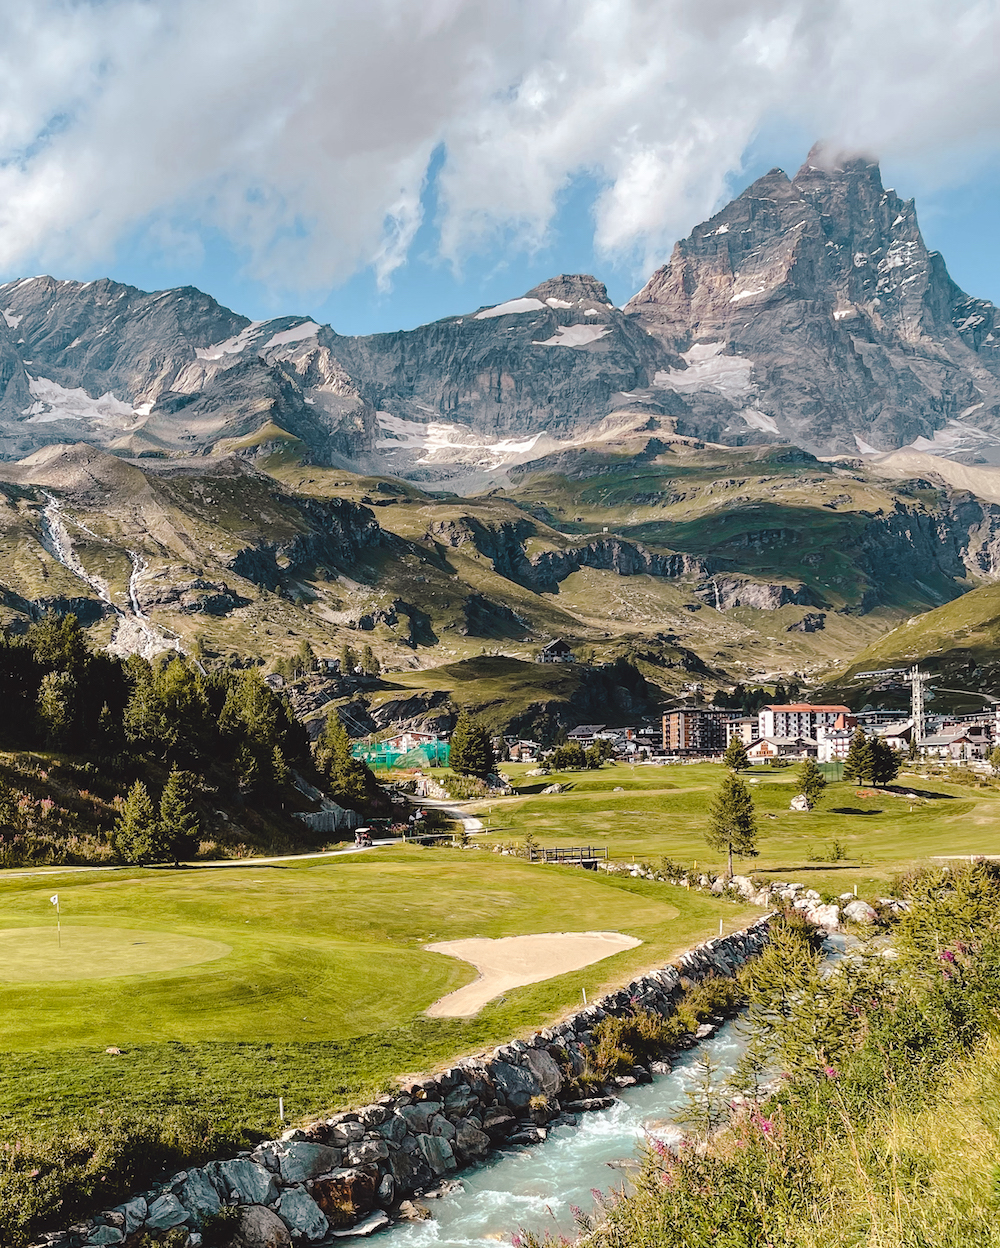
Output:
[[321, 994], [661, 813]]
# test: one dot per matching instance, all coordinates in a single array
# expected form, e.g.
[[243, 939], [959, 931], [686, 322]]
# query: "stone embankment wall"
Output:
[[353, 1173], [773, 895]]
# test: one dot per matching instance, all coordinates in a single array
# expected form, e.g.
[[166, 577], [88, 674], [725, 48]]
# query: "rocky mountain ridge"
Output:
[[808, 310]]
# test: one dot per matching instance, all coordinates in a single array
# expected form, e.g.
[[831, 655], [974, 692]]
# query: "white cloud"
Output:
[[303, 130]]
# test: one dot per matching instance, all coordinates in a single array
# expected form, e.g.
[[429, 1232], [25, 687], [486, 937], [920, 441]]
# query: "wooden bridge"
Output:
[[573, 855]]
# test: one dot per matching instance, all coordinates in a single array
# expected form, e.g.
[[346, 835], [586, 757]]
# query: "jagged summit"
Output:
[[570, 289]]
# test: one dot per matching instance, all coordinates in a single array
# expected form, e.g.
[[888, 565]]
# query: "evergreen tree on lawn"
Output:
[[135, 837], [885, 762], [732, 823], [812, 780], [735, 757], [858, 763], [471, 748], [180, 827]]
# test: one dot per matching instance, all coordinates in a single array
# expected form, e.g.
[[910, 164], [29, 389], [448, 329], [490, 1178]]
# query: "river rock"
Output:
[[858, 911], [304, 1217], [545, 1071], [343, 1133], [105, 1235], [460, 1101], [133, 1213], [199, 1195], [244, 1181], [259, 1227], [517, 1084], [437, 1153], [374, 1222], [497, 1123], [471, 1143], [346, 1193], [364, 1152], [418, 1116], [393, 1129], [166, 1213], [801, 802], [825, 916], [301, 1160]]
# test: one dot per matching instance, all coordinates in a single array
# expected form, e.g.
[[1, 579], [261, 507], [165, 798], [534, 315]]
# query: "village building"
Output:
[[768, 749], [556, 651], [801, 719], [696, 730], [747, 728]]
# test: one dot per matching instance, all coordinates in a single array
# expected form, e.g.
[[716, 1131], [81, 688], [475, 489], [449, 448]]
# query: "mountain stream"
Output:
[[537, 1187], [134, 633]]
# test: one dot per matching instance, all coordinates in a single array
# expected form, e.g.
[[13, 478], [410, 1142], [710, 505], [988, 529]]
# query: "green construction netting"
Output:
[[380, 757]]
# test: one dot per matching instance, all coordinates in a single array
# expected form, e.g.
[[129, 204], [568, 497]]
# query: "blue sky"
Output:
[[381, 163], [959, 220]]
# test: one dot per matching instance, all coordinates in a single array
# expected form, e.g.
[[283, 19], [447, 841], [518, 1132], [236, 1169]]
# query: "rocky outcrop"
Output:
[[352, 1172], [338, 535], [504, 545], [809, 309], [725, 592]]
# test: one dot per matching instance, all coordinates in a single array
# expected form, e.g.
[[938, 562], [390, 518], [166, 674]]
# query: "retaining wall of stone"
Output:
[[351, 1174]]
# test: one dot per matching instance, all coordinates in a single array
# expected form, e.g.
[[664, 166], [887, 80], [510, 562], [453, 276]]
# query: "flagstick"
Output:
[[58, 927]]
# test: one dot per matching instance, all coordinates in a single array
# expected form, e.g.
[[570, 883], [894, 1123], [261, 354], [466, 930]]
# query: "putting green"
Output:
[[32, 955]]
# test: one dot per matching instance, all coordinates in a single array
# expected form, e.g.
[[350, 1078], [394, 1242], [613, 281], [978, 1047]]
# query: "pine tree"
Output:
[[735, 757], [780, 694], [179, 832], [732, 824], [348, 661], [857, 764], [347, 776], [471, 750], [369, 663], [812, 780], [56, 706], [885, 762], [135, 835], [305, 658]]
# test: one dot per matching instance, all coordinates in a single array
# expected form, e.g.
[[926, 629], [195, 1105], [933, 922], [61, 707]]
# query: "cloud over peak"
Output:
[[304, 132]]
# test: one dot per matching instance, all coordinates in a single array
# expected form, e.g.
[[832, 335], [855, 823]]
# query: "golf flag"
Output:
[[54, 899]]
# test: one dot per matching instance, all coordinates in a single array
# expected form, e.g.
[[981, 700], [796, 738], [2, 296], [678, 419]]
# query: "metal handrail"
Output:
[[573, 853]]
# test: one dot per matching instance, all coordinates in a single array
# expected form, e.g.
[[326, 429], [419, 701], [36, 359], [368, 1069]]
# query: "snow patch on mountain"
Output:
[[437, 437], [308, 329], [511, 308], [575, 336], [232, 346], [707, 369], [54, 402]]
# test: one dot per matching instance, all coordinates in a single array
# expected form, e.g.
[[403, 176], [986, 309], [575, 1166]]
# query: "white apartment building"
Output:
[[801, 719]]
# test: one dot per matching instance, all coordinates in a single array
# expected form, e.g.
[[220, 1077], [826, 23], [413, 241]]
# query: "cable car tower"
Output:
[[916, 679]]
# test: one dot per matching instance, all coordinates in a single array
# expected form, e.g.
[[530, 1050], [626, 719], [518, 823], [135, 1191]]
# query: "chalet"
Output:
[[522, 751], [954, 746], [587, 734], [556, 651], [403, 742], [767, 749], [895, 734]]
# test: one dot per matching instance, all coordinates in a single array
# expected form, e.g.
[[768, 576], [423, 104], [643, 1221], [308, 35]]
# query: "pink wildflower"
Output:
[[830, 1072]]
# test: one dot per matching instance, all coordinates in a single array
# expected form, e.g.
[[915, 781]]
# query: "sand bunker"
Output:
[[514, 961]]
